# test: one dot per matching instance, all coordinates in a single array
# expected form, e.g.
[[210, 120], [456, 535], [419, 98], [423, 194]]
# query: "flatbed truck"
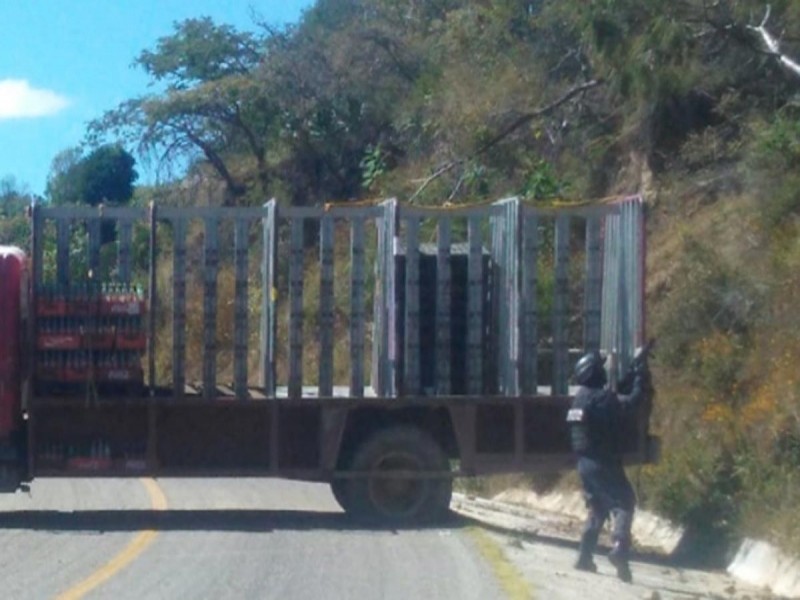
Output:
[[206, 341]]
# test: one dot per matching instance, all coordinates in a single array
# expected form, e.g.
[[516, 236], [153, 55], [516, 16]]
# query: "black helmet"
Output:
[[590, 370]]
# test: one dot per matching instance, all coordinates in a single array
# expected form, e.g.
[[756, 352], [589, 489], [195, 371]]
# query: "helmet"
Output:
[[590, 370]]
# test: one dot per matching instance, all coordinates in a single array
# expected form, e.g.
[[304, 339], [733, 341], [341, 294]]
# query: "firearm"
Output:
[[638, 367], [641, 355]]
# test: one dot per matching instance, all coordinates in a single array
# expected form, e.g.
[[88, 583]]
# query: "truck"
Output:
[[384, 348]]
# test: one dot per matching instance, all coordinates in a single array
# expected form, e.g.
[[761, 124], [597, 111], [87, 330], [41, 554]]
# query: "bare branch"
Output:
[[772, 45], [435, 175], [766, 16], [506, 131]]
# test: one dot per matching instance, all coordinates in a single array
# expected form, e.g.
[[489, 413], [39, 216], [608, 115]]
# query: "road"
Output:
[[224, 538], [240, 538]]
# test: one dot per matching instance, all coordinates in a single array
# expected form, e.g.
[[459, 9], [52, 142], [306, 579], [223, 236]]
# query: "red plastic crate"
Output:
[[119, 374], [59, 341], [87, 463], [51, 308], [111, 307], [99, 341], [130, 341]]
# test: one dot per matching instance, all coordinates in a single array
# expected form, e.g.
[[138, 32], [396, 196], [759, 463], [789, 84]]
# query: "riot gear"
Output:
[[590, 370], [597, 423]]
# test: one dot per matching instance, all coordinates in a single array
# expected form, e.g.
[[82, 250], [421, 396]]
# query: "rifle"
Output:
[[641, 355], [638, 366]]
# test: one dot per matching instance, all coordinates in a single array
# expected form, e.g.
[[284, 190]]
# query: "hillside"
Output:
[[692, 103]]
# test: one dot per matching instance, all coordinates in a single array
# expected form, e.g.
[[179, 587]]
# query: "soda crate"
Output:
[[51, 307], [111, 306], [130, 341], [119, 375], [59, 341], [99, 340]]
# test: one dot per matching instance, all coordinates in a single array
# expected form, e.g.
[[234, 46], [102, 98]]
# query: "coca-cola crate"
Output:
[[89, 463], [130, 341], [98, 340], [59, 341], [62, 374], [51, 307], [119, 374], [119, 307]]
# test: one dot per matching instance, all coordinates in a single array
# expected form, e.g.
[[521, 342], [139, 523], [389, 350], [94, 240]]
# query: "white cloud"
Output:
[[19, 100]]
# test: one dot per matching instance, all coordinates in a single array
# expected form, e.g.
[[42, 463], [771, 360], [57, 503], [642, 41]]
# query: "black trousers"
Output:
[[608, 494]]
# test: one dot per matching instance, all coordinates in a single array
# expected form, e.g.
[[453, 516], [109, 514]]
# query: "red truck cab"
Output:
[[13, 378]]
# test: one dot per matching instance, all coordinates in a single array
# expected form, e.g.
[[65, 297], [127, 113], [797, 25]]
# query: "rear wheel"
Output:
[[407, 451]]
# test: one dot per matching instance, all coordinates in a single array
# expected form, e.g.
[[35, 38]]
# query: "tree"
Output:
[[14, 199], [106, 175], [212, 108]]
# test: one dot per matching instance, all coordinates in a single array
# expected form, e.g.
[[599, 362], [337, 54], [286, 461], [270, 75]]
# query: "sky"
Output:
[[65, 62]]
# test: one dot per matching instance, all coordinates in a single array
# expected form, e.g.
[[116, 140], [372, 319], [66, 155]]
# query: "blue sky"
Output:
[[65, 62]]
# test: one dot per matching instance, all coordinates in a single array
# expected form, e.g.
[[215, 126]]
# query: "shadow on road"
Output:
[[246, 520], [261, 521]]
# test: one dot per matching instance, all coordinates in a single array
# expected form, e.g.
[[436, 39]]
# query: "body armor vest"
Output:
[[594, 423]]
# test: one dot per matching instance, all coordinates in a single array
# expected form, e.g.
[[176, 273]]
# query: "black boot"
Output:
[[585, 551], [619, 558], [585, 563]]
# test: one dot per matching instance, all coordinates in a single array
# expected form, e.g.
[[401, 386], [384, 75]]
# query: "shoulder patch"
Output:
[[575, 415]]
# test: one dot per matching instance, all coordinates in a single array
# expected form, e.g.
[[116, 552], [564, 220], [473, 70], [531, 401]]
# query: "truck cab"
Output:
[[14, 380]]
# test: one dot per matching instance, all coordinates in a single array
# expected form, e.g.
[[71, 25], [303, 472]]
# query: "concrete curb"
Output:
[[761, 564], [756, 563]]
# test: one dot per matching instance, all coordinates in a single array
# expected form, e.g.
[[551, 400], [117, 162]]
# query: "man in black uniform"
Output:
[[597, 424]]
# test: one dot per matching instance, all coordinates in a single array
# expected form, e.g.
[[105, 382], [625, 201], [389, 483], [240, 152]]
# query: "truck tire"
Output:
[[403, 499]]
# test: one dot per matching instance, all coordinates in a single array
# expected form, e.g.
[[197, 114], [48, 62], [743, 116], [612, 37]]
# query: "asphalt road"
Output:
[[224, 538]]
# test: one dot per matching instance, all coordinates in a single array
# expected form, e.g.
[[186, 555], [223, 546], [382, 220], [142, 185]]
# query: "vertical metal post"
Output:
[[475, 308], [512, 291], [178, 307], [357, 309], [152, 302], [326, 302], [610, 307], [411, 380], [268, 297], [594, 285], [240, 325], [389, 286], [94, 244], [37, 225], [211, 265], [641, 248], [529, 309], [560, 303], [124, 250], [499, 299], [443, 308], [296, 309], [62, 251]]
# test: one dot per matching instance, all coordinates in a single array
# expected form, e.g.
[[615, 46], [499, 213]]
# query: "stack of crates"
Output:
[[90, 333]]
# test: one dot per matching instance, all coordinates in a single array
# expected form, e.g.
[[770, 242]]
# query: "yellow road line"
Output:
[[138, 545], [509, 578]]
